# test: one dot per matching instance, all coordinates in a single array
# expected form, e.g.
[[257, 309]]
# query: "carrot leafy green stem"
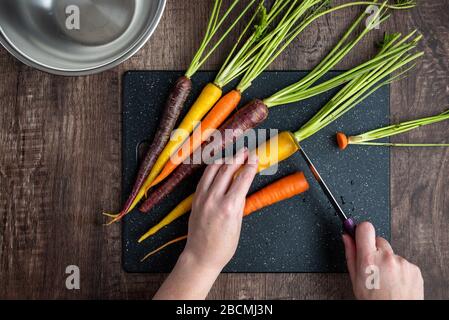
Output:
[[241, 57], [267, 42], [365, 84], [214, 24], [307, 92], [277, 40], [390, 144], [299, 90], [289, 28], [388, 131]]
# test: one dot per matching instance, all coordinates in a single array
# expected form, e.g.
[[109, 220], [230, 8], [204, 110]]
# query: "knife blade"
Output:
[[349, 224]]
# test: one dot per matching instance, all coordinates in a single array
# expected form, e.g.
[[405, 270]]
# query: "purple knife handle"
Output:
[[349, 226]]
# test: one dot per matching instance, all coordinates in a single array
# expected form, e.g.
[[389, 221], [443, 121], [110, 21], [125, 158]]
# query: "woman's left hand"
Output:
[[217, 211], [214, 228]]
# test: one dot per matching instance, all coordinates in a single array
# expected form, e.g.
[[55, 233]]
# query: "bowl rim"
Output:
[[128, 53]]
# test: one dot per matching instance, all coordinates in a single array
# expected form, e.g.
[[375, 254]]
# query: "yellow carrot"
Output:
[[182, 208], [206, 100], [276, 150]]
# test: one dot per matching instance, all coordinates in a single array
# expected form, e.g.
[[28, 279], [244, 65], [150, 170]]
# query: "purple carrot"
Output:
[[173, 107]]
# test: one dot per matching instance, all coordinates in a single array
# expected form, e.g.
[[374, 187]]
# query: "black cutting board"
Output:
[[301, 234]]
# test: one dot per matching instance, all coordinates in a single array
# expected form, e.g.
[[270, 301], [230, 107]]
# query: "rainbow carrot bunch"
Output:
[[246, 118], [261, 48], [285, 144], [270, 47], [274, 31], [235, 64], [278, 191], [177, 97], [385, 132], [295, 18]]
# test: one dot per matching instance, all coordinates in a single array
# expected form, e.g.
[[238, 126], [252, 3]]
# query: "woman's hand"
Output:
[[214, 228], [376, 272], [217, 211]]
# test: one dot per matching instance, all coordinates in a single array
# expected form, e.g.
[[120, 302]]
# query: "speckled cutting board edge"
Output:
[[301, 234]]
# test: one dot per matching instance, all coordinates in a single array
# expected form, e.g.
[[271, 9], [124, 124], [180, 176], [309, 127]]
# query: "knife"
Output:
[[349, 224]]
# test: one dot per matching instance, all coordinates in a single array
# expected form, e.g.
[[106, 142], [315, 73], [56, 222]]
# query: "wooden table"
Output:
[[60, 164]]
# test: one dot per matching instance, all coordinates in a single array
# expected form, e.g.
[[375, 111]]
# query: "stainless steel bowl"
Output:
[[45, 34]]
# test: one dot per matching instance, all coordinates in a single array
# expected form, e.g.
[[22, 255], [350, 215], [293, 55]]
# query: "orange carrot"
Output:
[[280, 190], [219, 113], [342, 140]]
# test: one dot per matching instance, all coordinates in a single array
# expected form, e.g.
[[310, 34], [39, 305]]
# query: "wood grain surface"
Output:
[[60, 164]]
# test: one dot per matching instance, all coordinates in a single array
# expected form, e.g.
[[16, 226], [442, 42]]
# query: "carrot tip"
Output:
[[111, 215], [110, 222], [146, 236], [155, 182], [342, 140], [150, 254], [146, 191], [142, 238], [163, 247], [114, 218]]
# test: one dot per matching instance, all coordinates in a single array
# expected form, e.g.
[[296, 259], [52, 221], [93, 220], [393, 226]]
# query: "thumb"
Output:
[[351, 258]]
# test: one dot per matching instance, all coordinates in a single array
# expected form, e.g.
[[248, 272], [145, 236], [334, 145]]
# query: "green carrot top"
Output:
[[365, 84], [395, 129], [240, 58], [299, 90], [296, 17], [214, 24]]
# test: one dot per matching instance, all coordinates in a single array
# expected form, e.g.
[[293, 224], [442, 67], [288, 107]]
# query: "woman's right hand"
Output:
[[376, 272]]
